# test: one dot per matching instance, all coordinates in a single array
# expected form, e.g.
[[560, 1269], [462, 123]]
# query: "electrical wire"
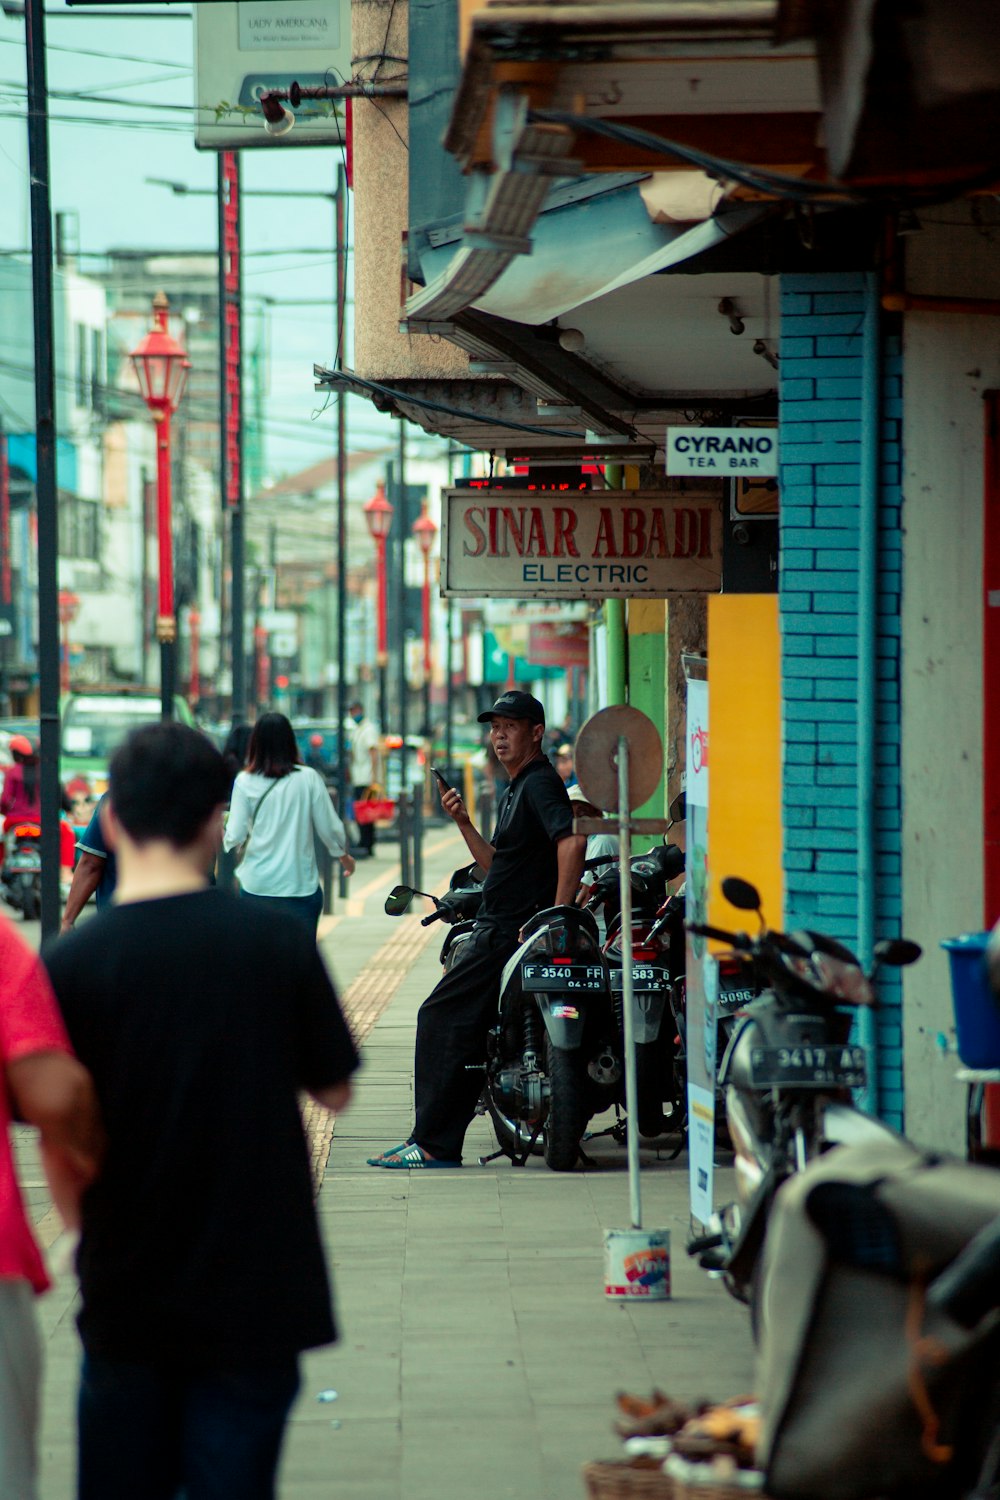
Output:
[[801, 190]]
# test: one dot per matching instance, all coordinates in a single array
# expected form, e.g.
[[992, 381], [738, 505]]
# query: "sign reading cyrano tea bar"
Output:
[[530, 545]]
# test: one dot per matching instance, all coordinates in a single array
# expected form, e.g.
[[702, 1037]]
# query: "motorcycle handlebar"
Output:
[[704, 929], [435, 916]]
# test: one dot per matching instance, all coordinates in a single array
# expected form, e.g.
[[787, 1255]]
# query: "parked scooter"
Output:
[[21, 873], [553, 1058], [788, 1073], [656, 958]]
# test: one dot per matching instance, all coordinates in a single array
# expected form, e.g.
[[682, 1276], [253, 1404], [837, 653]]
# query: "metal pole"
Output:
[[45, 459], [449, 705], [628, 989], [340, 308], [166, 628], [404, 531]]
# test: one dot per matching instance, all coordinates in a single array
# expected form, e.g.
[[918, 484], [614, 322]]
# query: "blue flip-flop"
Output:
[[408, 1158], [376, 1161]]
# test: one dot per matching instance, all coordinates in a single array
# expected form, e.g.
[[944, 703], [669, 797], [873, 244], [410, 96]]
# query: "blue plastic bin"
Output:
[[977, 1009]]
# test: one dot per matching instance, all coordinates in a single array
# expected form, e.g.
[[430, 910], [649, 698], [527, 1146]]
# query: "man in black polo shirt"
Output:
[[534, 861]]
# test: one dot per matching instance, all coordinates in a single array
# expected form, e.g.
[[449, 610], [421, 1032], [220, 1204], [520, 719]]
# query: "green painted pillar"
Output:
[[614, 621], [647, 686]]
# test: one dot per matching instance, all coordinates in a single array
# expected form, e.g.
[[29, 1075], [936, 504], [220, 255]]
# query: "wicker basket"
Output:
[[693, 1481], [619, 1480]]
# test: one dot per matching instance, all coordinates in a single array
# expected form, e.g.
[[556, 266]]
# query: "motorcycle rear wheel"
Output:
[[31, 907], [568, 1109]]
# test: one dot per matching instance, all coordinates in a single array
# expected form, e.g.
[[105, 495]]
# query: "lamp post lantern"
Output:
[[425, 530], [378, 515], [161, 368]]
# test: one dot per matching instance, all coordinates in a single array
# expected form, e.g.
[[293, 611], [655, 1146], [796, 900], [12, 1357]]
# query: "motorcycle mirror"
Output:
[[677, 811], [741, 894], [897, 952], [398, 900]]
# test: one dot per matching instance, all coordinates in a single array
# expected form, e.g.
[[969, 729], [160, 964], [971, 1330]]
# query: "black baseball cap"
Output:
[[515, 705]]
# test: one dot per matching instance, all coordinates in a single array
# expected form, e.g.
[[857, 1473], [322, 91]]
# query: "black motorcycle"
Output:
[[21, 874], [657, 961], [552, 1058], [788, 1072]]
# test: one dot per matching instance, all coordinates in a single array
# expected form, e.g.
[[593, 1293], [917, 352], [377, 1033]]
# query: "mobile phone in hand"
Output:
[[442, 783]]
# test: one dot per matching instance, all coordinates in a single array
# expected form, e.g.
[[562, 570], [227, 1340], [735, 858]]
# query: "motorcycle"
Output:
[[657, 963], [787, 1074], [553, 1057], [21, 873]]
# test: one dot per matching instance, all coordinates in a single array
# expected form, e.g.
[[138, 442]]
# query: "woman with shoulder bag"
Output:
[[278, 809]]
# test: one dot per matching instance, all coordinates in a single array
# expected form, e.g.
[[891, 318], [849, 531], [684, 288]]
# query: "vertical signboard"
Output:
[[701, 970], [230, 318]]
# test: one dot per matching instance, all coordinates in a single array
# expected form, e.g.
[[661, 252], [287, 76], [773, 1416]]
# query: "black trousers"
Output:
[[366, 831], [452, 1026]]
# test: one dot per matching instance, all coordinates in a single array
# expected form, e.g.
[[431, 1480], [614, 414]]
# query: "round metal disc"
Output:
[[596, 757]]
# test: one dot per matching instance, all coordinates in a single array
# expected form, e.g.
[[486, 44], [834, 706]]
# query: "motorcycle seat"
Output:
[[576, 917]]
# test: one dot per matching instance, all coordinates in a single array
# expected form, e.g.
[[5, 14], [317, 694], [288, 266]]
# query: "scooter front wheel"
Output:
[[568, 1109]]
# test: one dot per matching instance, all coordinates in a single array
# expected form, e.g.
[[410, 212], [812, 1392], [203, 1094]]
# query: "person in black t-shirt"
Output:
[[535, 860], [201, 1267]]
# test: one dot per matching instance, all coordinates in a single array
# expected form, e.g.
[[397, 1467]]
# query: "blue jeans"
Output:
[[305, 909], [167, 1432]]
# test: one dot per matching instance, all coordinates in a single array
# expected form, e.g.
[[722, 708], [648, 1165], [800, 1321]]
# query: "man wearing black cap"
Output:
[[534, 861]]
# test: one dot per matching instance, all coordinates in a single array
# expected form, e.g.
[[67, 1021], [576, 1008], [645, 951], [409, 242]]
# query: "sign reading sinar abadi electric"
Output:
[[244, 48], [527, 544], [722, 452]]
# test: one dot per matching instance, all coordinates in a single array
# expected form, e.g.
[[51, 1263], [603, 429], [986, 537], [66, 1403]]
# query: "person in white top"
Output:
[[283, 807], [364, 768]]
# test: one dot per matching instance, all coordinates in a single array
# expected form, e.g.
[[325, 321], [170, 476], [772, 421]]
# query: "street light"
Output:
[[378, 515], [161, 368], [425, 530], [69, 608]]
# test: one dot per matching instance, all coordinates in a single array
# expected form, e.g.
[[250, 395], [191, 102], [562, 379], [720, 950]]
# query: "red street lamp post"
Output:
[[425, 531], [161, 368], [378, 515], [69, 608]]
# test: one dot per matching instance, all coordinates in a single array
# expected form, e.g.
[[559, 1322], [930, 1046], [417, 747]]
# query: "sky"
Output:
[[101, 155]]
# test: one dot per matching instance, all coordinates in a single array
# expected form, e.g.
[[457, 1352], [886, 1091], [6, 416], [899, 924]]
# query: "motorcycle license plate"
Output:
[[730, 999], [644, 977], [822, 1067], [547, 977]]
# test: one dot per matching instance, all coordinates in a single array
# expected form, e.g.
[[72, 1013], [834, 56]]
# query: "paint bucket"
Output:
[[637, 1263]]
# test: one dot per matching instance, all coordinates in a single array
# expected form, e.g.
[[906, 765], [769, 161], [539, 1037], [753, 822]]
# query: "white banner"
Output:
[[723, 452], [700, 1016], [518, 544]]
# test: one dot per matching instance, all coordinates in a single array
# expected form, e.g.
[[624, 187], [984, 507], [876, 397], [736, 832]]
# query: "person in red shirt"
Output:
[[21, 798], [45, 1086]]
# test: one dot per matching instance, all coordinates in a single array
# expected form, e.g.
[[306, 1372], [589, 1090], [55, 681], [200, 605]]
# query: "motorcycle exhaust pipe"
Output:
[[605, 1067]]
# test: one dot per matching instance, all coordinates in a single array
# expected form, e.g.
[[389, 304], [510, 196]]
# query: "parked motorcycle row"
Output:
[[555, 1057]]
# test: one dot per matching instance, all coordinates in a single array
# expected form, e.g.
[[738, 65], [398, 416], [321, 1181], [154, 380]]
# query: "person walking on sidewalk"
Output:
[[534, 861], [279, 808], [202, 1273], [364, 769], [45, 1086]]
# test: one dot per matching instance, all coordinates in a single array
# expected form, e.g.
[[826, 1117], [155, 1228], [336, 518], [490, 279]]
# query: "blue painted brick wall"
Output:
[[820, 393]]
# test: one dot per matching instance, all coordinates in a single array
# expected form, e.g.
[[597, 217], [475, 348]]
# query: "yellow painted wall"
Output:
[[744, 725]]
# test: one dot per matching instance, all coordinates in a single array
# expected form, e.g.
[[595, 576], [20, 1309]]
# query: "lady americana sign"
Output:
[[529, 544]]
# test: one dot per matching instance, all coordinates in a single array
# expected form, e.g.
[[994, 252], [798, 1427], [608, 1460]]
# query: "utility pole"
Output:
[[340, 305], [231, 413], [45, 459]]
